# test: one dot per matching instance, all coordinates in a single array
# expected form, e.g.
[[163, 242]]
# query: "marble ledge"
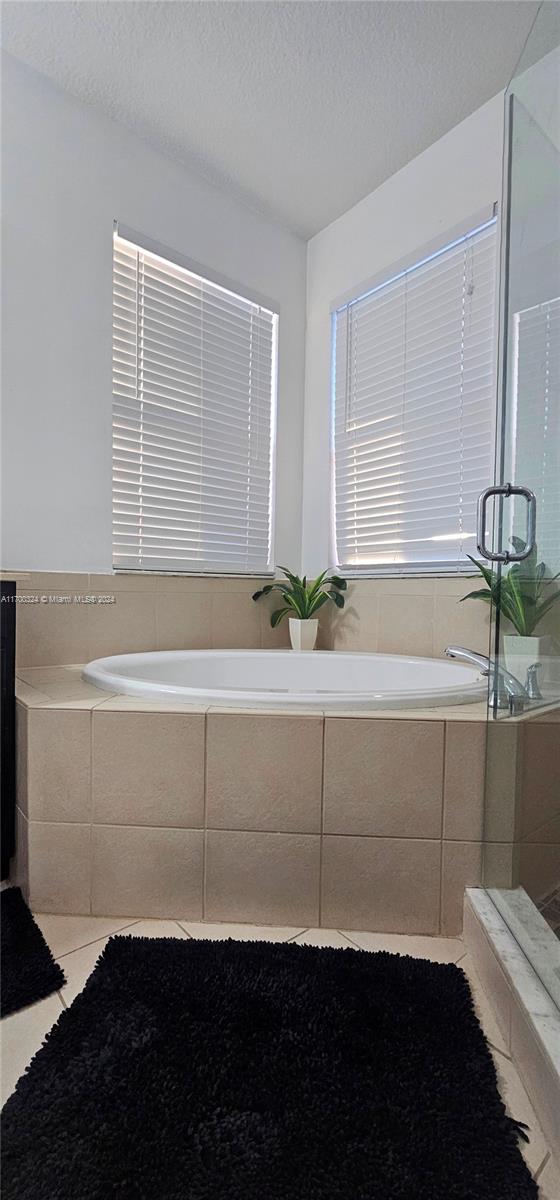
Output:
[[523, 981]]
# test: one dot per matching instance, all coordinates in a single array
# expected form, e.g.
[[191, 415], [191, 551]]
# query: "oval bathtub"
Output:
[[282, 679]]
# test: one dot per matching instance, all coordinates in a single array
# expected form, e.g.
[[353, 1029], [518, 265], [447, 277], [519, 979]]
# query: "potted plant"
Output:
[[301, 600], [523, 596]]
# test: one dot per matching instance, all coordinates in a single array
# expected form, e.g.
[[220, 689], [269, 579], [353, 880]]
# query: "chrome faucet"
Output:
[[507, 691]]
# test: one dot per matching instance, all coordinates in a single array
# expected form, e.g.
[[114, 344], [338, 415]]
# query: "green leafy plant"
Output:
[[302, 599], [522, 595]]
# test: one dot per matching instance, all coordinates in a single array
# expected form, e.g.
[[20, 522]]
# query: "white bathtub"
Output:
[[323, 680]]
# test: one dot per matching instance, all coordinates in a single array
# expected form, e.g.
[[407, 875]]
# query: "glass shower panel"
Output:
[[522, 817]]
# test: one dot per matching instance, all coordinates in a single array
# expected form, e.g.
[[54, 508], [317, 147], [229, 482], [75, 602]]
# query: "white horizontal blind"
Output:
[[194, 378], [537, 422], [414, 402]]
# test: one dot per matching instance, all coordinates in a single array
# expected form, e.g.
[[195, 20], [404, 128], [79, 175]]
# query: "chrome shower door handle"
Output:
[[506, 489]]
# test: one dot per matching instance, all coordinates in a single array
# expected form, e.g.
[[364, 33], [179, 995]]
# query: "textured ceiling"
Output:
[[298, 107]]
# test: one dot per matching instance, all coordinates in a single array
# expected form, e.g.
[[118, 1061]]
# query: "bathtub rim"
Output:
[[98, 673]]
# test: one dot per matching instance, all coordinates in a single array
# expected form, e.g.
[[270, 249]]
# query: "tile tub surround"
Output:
[[63, 618], [412, 615], [418, 616], [140, 808]]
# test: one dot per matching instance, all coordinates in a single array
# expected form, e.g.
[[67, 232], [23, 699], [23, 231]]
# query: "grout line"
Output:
[[93, 942], [347, 939], [297, 934], [540, 1169], [351, 940], [61, 998], [184, 929], [498, 1050], [379, 837]]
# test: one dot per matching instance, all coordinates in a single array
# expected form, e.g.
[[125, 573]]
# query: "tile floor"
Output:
[[78, 941]]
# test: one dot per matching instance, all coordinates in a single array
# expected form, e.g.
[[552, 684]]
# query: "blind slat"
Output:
[[413, 389], [194, 369]]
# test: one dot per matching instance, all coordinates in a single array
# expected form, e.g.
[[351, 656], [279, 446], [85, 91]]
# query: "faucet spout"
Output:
[[507, 691]]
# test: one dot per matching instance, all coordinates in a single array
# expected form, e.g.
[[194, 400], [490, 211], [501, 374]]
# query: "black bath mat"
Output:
[[28, 970], [197, 1070]]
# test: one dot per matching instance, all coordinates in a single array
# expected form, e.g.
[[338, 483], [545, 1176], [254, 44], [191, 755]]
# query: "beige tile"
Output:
[[465, 762], [236, 622], [183, 622], [264, 773], [239, 933], [539, 800], [483, 1006], [64, 934], [63, 687], [58, 765], [22, 578], [549, 1181], [324, 937], [28, 696], [503, 765], [59, 867], [137, 581], [463, 624], [59, 583], [498, 864], [405, 624], [520, 1108], [19, 865], [435, 949], [383, 779], [147, 872], [125, 627], [49, 633], [21, 757], [122, 703], [453, 585], [548, 833], [384, 884], [262, 877], [148, 769], [79, 964], [461, 868], [278, 638], [356, 626], [538, 867], [23, 1034]]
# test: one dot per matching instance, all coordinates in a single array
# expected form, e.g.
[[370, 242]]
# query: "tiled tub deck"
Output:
[[144, 809]]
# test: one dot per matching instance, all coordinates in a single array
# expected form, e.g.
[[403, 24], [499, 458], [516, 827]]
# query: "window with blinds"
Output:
[[194, 384], [537, 421], [413, 411]]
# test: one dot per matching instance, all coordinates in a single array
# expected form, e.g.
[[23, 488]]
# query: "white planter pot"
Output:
[[520, 653], [303, 634]]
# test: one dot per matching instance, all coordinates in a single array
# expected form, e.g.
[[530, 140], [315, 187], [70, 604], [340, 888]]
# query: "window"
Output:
[[414, 402], [194, 382], [536, 418]]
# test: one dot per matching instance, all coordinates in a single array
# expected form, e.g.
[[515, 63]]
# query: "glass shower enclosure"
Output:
[[521, 519]]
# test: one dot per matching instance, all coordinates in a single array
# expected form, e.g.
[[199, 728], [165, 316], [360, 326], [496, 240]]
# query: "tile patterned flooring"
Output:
[[78, 941]]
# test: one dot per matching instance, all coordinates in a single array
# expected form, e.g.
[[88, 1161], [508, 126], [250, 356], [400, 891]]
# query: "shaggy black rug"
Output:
[[28, 969], [197, 1070]]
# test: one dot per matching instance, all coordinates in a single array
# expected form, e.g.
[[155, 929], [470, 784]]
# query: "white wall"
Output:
[[67, 173], [454, 179]]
